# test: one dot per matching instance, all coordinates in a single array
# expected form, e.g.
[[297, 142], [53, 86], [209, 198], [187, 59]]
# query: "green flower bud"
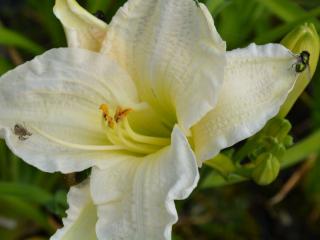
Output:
[[284, 129], [302, 38], [266, 170], [271, 145], [278, 128], [288, 141], [278, 151]]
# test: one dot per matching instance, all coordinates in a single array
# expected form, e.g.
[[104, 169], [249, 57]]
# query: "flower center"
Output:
[[120, 132]]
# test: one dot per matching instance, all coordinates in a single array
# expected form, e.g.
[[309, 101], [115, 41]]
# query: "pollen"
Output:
[[119, 114], [105, 114], [105, 110]]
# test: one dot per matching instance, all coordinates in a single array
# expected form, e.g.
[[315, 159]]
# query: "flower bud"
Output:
[[266, 170], [302, 38], [288, 141], [278, 128]]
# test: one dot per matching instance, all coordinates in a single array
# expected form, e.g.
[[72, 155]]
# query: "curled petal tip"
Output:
[[302, 39]]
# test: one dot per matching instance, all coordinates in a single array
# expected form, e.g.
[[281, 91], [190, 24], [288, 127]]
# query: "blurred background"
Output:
[[32, 202]]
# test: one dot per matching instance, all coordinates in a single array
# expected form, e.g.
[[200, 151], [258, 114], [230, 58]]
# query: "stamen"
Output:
[[105, 113], [119, 132], [111, 122], [145, 139], [136, 147], [121, 113], [105, 110], [78, 146], [113, 138]]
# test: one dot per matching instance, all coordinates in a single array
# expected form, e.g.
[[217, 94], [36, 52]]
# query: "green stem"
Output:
[[245, 149], [301, 150]]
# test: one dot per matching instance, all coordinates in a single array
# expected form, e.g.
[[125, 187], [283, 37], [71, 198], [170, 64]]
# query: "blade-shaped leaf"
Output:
[[11, 38]]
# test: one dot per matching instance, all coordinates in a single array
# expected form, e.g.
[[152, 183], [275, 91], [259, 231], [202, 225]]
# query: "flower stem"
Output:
[[301, 150]]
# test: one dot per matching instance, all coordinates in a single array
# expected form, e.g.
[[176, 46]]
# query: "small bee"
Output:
[[302, 61], [22, 133]]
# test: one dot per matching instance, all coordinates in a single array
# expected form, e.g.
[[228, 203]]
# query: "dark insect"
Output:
[[22, 133], [99, 14], [302, 61], [197, 3]]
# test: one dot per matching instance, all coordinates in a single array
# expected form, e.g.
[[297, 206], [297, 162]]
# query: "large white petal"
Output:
[[81, 219], [82, 29], [135, 197], [60, 93], [173, 52], [257, 82]]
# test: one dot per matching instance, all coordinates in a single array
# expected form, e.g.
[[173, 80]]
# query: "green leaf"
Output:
[[44, 16], [14, 39], [5, 65], [234, 27], [96, 5], [301, 150], [312, 184], [21, 210], [3, 160], [285, 9], [59, 204], [14, 167], [216, 6], [277, 33], [26, 192]]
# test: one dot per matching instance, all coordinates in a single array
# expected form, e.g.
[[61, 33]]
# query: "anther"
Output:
[[105, 113], [111, 122], [105, 110], [121, 113]]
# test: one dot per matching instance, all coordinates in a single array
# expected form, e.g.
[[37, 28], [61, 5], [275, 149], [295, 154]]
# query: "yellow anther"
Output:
[[105, 110], [121, 113], [105, 113], [111, 122]]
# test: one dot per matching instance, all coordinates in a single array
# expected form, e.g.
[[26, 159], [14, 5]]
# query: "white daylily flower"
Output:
[[162, 80]]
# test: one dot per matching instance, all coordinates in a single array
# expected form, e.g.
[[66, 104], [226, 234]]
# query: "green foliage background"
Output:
[[32, 202]]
